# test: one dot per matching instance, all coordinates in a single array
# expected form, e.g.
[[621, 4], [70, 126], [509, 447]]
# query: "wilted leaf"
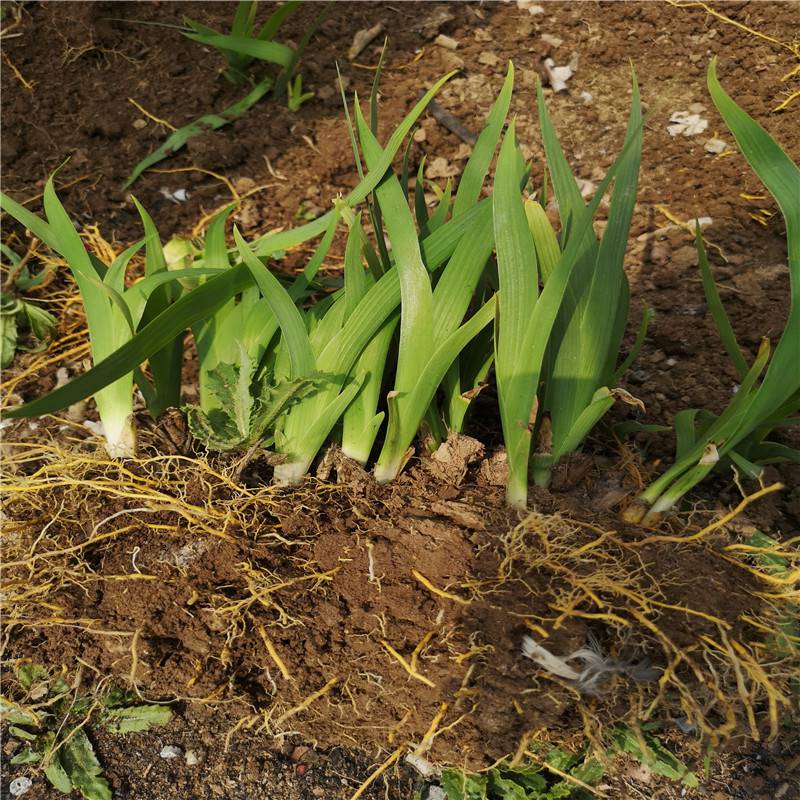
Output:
[[136, 718], [16, 714]]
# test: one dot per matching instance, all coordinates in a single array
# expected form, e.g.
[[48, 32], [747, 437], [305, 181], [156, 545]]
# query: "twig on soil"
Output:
[[452, 123]]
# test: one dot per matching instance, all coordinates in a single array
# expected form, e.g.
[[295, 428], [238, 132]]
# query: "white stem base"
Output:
[[290, 473], [120, 439]]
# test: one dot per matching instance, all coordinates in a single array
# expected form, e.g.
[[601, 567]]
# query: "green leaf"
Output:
[[26, 756], [590, 327], [275, 20], [655, 757], [477, 166], [81, 765], [166, 364], [781, 176], [517, 378], [295, 336], [619, 373], [281, 241], [30, 674], [42, 324], [8, 329], [544, 238], [176, 140], [506, 788], [461, 786], [591, 771], [191, 308], [530, 776], [716, 308], [57, 775], [416, 307], [273, 52], [130, 719]]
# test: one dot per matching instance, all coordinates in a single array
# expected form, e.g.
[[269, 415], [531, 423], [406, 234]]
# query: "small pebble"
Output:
[[446, 41], [715, 146], [170, 751], [139, 123], [530, 6], [553, 41], [192, 759], [19, 786]]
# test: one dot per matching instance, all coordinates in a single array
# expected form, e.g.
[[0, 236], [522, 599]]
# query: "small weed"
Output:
[[50, 721], [18, 315], [560, 776]]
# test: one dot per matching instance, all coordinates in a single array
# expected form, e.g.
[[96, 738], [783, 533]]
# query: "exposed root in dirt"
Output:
[[793, 46], [390, 617]]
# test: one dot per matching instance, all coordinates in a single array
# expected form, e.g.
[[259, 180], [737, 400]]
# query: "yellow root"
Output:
[[439, 592], [377, 773]]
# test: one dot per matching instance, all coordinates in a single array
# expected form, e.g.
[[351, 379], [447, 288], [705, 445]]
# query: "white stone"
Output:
[[19, 786]]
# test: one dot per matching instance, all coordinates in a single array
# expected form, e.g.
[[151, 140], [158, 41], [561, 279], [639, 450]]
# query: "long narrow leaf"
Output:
[[176, 140]]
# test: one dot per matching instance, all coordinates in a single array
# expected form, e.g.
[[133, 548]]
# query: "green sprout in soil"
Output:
[[554, 774], [557, 776], [430, 299], [297, 96], [740, 436], [244, 44], [241, 48], [19, 315], [49, 719]]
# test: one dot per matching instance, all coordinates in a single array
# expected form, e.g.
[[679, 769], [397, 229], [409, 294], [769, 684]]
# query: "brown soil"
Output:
[[295, 612], [194, 627]]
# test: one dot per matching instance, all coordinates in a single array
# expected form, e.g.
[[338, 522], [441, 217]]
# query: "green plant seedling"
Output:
[[294, 90], [739, 436], [52, 733], [18, 314], [113, 314]]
